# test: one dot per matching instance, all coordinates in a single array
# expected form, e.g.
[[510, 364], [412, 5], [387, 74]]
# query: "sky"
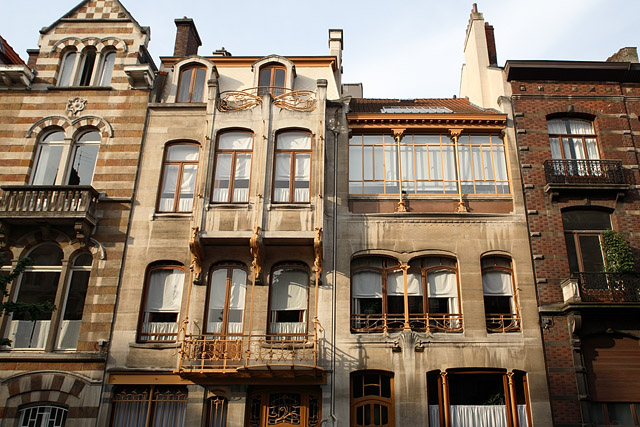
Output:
[[400, 49]]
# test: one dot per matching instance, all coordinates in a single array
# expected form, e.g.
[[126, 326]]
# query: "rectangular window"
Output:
[[427, 165], [233, 168], [149, 407]]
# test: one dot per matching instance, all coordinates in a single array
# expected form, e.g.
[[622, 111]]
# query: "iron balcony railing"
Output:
[[49, 201], [207, 353], [502, 322], [609, 287], [295, 100], [583, 172], [368, 323]]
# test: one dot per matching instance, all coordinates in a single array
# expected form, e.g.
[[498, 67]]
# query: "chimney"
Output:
[[336, 45], [221, 52], [187, 38], [626, 54], [491, 44]]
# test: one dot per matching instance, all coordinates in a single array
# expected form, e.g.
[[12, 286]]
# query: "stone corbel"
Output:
[[196, 255], [256, 248], [317, 249]]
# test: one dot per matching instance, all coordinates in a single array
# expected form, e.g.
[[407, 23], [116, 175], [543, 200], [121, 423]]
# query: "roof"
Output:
[[573, 71], [7, 51], [454, 105]]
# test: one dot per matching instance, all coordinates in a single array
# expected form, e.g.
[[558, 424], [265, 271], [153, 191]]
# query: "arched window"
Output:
[[501, 309], [106, 68], [233, 167], [48, 158], [372, 399], [292, 174], [378, 295], [66, 69], [73, 306], [85, 154], [191, 84], [39, 283], [289, 301], [43, 414], [272, 79], [162, 299], [179, 178], [227, 294]]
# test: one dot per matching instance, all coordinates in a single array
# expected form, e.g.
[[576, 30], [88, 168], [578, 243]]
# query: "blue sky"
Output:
[[408, 49]]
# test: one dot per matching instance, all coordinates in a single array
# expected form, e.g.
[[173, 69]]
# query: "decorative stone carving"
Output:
[[75, 106], [256, 249], [196, 255]]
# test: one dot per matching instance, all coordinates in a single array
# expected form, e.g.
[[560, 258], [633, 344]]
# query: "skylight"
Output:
[[414, 109]]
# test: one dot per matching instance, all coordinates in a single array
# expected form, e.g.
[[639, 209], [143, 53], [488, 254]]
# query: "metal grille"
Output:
[[217, 411], [43, 416]]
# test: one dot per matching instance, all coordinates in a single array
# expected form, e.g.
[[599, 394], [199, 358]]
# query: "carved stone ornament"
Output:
[[256, 249], [317, 249], [196, 255], [76, 105]]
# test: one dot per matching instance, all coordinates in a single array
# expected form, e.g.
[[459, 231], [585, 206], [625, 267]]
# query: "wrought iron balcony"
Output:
[[503, 322], [584, 172], [210, 353], [602, 288], [296, 100], [369, 323], [67, 205]]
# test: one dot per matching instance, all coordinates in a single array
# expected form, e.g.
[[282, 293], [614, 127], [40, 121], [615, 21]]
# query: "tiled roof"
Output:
[[455, 105], [9, 53]]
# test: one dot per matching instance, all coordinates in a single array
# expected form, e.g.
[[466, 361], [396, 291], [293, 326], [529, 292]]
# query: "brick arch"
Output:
[[65, 43], [27, 242], [52, 121], [101, 124], [576, 110], [88, 42], [116, 43], [64, 388]]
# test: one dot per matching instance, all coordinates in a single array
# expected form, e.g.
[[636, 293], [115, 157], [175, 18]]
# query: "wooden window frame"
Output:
[[513, 318], [292, 169], [262, 394], [574, 234], [387, 142], [234, 154], [177, 391], [581, 136], [180, 164], [383, 401], [272, 88], [192, 81], [384, 322], [169, 265], [229, 267], [289, 266]]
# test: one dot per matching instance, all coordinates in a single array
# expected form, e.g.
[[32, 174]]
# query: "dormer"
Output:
[[189, 80], [273, 74]]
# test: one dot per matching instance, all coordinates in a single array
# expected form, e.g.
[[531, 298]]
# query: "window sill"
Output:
[[76, 88], [155, 345], [232, 205], [171, 216], [303, 206]]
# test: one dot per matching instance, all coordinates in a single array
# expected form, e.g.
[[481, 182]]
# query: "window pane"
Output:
[[620, 414], [591, 253], [168, 190], [500, 163], [279, 77], [281, 184], [185, 84], [107, 68], [235, 141], [294, 141], [182, 152], [48, 164], [187, 188], [198, 86], [355, 163], [241, 180], [83, 164], [265, 77], [35, 288], [66, 69], [87, 67], [77, 292], [222, 178], [302, 177], [586, 220]]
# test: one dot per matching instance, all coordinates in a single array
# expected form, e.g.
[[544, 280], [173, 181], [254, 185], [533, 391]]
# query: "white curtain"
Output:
[[367, 284], [29, 334], [168, 190], [153, 328], [434, 416], [478, 416], [186, 188], [241, 179], [283, 169], [164, 294], [288, 327], [496, 282], [222, 178], [472, 418], [68, 334], [580, 127], [442, 284], [302, 177], [592, 149], [130, 413], [294, 141], [217, 298], [395, 284], [289, 290], [235, 141]]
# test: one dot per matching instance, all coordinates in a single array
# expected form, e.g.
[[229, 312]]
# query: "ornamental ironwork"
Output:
[[295, 100], [583, 172]]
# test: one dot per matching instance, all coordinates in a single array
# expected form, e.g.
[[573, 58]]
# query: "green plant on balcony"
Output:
[[617, 253]]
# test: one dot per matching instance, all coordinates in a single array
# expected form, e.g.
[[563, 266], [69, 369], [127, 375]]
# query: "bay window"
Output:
[[178, 178], [289, 302], [162, 299], [427, 165], [380, 301], [232, 167], [292, 167], [500, 305]]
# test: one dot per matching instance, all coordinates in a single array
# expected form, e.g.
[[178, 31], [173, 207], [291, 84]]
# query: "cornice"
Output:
[[372, 121]]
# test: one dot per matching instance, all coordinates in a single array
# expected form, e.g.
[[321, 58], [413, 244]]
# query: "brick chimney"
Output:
[[491, 44], [187, 38], [626, 54]]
